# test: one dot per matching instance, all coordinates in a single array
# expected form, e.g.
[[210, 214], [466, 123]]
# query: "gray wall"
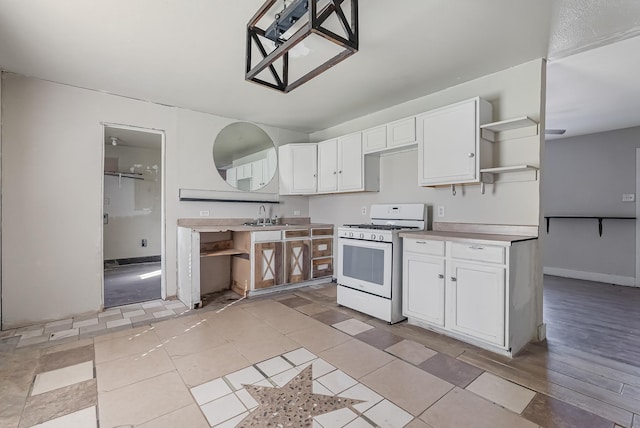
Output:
[[587, 175]]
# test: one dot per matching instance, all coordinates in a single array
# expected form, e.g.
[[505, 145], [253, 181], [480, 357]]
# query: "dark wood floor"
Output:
[[593, 317]]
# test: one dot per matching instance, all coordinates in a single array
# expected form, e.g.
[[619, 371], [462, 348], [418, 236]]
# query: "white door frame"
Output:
[[637, 258], [163, 258]]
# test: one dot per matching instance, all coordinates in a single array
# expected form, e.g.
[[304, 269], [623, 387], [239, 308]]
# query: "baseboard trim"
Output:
[[628, 281], [133, 260]]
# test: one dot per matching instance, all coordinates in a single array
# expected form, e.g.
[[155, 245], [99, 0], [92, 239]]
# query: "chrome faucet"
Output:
[[262, 210]]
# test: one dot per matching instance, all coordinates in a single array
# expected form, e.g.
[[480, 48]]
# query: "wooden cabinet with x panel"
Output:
[[297, 259]]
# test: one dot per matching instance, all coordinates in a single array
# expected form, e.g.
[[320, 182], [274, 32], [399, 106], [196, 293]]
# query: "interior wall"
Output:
[[134, 206], [514, 92], [52, 190], [587, 176], [1, 103]]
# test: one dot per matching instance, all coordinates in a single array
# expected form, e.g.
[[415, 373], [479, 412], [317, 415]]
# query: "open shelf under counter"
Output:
[[219, 248], [499, 131]]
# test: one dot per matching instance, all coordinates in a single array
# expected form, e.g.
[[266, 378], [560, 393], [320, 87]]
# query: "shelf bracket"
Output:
[[600, 226]]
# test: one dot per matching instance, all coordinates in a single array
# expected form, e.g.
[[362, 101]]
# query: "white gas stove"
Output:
[[370, 260]]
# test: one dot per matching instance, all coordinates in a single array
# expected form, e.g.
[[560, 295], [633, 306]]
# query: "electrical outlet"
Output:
[[440, 210], [628, 197], [204, 213], [364, 210], [296, 212], [143, 243]]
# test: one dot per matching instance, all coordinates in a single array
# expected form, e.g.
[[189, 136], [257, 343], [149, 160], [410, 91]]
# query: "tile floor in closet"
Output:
[[240, 364]]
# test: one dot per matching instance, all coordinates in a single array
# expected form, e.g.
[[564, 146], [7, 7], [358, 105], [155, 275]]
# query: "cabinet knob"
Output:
[[339, 172], [334, 173], [441, 276], [471, 155], [453, 279]]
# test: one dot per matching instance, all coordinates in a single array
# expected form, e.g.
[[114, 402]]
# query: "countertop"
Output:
[[236, 225], [479, 238], [489, 234]]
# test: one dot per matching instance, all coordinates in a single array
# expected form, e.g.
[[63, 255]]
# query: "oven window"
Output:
[[365, 264]]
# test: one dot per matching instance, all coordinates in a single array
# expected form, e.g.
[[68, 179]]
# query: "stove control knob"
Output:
[[362, 236], [380, 238], [350, 234], [373, 236]]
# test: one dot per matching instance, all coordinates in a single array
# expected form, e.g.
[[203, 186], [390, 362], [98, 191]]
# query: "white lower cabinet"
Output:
[[483, 294], [423, 287], [475, 300]]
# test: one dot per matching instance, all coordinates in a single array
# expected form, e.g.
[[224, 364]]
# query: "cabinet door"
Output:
[[268, 264], [423, 288], [401, 132], [374, 139], [231, 177], [350, 163], [297, 261], [328, 166], [448, 144], [303, 166], [244, 171], [476, 301], [257, 174]]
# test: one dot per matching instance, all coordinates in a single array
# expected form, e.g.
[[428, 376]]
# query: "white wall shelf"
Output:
[[488, 174], [494, 131], [503, 169]]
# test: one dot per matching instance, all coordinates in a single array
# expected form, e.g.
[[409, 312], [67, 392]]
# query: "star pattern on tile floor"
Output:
[[292, 405]]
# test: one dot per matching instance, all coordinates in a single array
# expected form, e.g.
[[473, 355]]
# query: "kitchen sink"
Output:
[[258, 224]]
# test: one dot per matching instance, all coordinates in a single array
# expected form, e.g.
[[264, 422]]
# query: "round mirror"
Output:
[[245, 156]]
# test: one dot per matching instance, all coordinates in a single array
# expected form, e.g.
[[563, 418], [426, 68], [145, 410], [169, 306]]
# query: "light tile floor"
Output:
[[92, 325], [226, 366]]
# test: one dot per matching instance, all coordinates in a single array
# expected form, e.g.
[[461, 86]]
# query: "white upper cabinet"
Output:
[[374, 139], [261, 174], [341, 164], [401, 132], [350, 163], [298, 169], [328, 166], [390, 136], [450, 149]]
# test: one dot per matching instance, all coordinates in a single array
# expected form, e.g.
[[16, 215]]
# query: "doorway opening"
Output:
[[133, 215]]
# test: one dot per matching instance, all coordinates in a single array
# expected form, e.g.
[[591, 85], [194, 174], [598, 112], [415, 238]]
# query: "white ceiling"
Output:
[[596, 90], [191, 54]]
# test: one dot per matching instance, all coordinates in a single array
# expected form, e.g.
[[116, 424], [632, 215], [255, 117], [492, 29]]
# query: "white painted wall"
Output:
[[134, 206], [587, 175], [514, 92], [1, 202], [52, 190]]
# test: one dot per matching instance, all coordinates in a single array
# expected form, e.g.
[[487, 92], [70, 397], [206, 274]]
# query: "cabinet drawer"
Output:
[[322, 267], [424, 246], [267, 235], [324, 231], [322, 247], [480, 252], [303, 233]]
